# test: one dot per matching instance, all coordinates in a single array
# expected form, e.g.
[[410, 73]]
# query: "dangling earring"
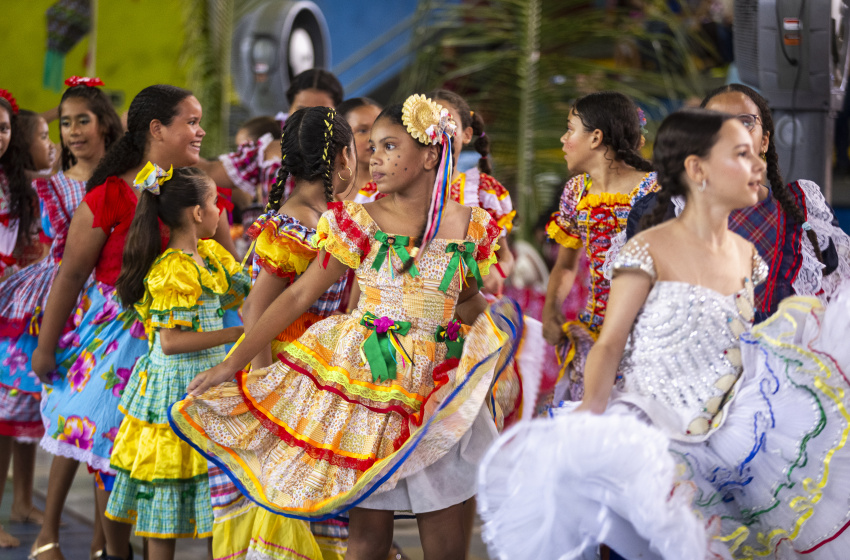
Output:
[[764, 156], [340, 175], [701, 188]]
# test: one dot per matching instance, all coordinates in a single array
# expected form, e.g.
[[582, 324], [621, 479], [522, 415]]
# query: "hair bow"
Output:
[[83, 81], [5, 94], [151, 177]]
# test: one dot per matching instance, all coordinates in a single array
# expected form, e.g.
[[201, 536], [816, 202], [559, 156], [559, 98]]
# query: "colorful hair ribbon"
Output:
[[83, 81], [151, 177]]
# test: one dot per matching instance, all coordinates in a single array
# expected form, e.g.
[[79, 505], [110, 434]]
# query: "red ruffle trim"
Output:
[[21, 429], [350, 228], [493, 232]]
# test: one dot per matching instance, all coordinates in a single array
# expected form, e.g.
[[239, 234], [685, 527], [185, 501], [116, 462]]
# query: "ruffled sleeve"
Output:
[[111, 204], [563, 226], [369, 193], [342, 233], [223, 274], [284, 247], [811, 279], [635, 256], [172, 290], [248, 168], [485, 233], [495, 198]]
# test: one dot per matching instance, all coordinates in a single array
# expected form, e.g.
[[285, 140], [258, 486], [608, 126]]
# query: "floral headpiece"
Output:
[[4, 93], [641, 120], [429, 123], [83, 81], [426, 120], [151, 177]]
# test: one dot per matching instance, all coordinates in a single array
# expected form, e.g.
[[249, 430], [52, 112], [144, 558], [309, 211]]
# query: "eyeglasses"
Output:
[[749, 121]]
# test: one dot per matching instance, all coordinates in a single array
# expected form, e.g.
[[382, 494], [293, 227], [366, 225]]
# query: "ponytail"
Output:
[[481, 143]]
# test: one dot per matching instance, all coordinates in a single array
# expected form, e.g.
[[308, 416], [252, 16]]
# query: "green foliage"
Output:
[[520, 63]]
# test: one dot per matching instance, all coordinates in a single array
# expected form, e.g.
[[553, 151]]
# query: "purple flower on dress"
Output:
[[110, 348], [17, 360], [80, 372], [70, 338], [111, 435], [452, 330], [77, 431], [117, 380], [108, 313], [137, 330], [383, 324]]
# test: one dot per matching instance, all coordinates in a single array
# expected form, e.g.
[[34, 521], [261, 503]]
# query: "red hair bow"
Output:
[[4, 93], [81, 81]]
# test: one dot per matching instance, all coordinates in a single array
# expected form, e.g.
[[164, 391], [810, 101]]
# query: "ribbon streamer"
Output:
[[396, 244], [463, 258], [378, 346]]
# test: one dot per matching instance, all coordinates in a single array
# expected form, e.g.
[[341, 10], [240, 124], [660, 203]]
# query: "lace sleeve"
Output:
[[635, 256], [810, 279]]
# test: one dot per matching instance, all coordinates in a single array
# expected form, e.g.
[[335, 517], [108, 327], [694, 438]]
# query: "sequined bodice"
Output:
[[683, 358]]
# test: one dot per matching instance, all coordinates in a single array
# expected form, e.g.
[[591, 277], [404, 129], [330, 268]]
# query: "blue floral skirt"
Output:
[[94, 360]]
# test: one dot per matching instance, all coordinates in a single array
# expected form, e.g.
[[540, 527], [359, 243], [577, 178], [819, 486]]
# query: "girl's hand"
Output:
[[210, 378], [43, 364], [234, 333], [553, 328]]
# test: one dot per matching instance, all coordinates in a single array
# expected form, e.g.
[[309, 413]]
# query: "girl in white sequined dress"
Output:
[[698, 436]]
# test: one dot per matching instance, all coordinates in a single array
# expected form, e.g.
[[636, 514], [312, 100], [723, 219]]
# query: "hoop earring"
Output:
[[701, 188], [339, 174]]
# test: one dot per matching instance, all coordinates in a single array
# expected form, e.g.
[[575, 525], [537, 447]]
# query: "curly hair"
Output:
[[108, 121], [617, 117], [774, 176], [14, 162], [311, 141], [157, 102]]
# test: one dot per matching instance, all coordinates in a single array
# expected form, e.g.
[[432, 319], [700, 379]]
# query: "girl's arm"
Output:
[[222, 235], [81, 253], [628, 294], [178, 341], [290, 305], [560, 282], [265, 291]]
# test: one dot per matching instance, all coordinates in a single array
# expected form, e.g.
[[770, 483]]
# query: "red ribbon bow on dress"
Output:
[[83, 81]]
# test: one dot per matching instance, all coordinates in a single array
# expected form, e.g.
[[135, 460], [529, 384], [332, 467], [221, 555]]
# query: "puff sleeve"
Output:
[[563, 226], [341, 233], [283, 247]]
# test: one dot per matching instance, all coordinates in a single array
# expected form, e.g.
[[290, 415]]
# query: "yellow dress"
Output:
[[161, 482], [372, 408]]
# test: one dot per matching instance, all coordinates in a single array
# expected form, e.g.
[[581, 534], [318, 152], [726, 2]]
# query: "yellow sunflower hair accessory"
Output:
[[151, 177], [426, 120]]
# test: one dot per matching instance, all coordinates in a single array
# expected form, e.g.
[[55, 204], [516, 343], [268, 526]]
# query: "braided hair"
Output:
[[617, 117], [774, 177], [108, 121], [22, 197], [158, 102], [311, 141], [481, 142], [682, 134]]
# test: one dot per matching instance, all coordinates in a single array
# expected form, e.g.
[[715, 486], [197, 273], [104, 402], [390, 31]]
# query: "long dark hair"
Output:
[[480, 142], [108, 121], [158, 102], [774, 176], [393, 114], [690, 132], [617, 117], [15, 161], [143, 245], [312, 139], [355, 103]]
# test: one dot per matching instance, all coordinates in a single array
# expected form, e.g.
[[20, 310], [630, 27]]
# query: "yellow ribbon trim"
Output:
[[559, 236]]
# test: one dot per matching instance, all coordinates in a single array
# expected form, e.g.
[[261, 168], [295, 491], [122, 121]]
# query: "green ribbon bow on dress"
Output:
[[464, 257], [450, 336], [378, 347], [398, 245]]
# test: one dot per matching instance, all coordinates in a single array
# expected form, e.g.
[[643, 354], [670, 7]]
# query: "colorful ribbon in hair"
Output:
[[450, 336], [7, 95], [440, 193], [392, 244], [463, 258], [151, 177], [83, 81], [378, 347]]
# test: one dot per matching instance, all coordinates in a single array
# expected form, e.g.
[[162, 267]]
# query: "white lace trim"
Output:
[[55, 447], [617, 243], [810, 279]]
